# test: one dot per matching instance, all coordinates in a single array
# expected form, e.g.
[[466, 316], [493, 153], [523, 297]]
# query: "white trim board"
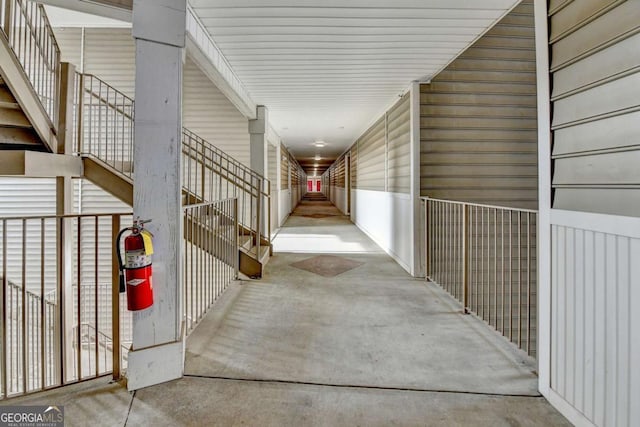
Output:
[[610, 224]]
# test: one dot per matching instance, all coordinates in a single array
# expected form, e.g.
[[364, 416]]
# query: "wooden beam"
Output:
[[34, 164]]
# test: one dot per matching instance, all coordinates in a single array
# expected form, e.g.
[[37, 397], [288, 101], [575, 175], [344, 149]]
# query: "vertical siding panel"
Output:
[[611, 326], [590, 310], [569, 312], [578, 360], [622, 331], [634, 332], [555, 340], [561, 319], [600, 319]]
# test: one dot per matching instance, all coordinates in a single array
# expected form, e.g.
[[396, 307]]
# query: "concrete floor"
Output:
[[370, 346]]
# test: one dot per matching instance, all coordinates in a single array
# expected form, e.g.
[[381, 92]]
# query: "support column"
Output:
[[417, 249], [159, 30], [259, 157], [543, 232], [64, 228], [258, 140]]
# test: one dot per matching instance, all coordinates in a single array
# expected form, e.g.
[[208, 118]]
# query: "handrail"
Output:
[[223, 154], [456, 202], [105, 101], [31, 37], [484, 256], [105, 131]]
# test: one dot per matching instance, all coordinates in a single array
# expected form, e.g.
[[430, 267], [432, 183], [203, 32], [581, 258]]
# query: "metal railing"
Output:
[[103, 123], [485, 257], [210, 174], [31, 38], [210, 256], [105, 131], [55, 322]]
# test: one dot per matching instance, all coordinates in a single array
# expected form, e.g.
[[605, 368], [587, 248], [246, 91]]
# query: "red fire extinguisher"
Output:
[[138, 271]]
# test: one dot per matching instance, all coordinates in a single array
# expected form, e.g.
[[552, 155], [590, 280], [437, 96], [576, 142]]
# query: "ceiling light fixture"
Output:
[[320, 143]]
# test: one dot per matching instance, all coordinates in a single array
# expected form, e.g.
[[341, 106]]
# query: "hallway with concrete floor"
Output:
[[336, 333]]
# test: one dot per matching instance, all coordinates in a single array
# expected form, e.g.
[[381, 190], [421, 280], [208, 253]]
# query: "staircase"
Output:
[[30, 76], [16, 131], [106, 146], [102, 135]]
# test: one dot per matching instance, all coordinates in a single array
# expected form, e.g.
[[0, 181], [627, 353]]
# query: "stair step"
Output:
[[14, 137], [14, 118]]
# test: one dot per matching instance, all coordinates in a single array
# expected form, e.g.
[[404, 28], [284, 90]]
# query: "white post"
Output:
[[417, 269], [258, 141], [544, 198], [159, 32], [259, 156]]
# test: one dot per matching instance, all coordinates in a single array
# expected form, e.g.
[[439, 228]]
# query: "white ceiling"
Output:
[[327, 69]]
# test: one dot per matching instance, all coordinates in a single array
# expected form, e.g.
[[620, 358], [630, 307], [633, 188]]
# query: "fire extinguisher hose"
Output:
[[120, 263]]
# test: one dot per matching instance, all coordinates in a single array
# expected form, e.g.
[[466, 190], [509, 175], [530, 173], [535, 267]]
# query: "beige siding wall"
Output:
[[109, 53], [208, 113], [399, 146], [284, 168], [371, 158], [478, 120], [595, 66], [353, 172], [381, 157], [70, 43]]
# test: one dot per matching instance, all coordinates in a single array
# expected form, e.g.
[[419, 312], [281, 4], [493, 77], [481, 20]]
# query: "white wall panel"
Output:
[[386, 218], [595, 326], [284, 205], [339, 198]]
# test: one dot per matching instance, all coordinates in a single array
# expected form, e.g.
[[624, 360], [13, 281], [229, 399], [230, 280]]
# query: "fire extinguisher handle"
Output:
[[120, 264], [122, 287]]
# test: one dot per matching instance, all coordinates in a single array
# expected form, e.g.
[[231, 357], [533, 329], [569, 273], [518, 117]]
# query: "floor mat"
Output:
[[327, 265]]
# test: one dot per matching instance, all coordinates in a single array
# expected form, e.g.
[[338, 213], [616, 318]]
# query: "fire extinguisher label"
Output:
[[137, 259]]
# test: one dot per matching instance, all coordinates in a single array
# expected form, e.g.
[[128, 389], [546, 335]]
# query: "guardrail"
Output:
[[103, 123], [211, 174], [210, 256], [44, 306], [485, 256], [27, 27]]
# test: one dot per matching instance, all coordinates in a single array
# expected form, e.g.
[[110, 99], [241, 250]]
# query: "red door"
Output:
[[318, 186], [309, 185]]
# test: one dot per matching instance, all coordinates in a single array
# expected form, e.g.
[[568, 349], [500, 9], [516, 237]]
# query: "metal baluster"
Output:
[[96, 300]]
